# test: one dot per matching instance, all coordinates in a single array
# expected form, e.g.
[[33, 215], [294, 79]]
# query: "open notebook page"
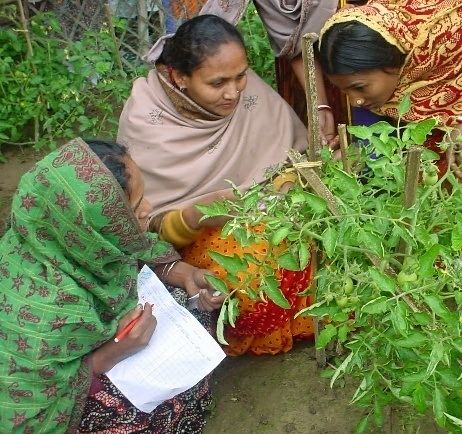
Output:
[[180, 354]]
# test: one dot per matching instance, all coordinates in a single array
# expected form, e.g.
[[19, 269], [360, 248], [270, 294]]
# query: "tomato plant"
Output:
[[64, 88], [399, 317]]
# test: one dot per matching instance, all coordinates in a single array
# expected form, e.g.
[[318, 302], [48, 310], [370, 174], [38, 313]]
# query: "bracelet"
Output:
[[324, 107], [170, 265]]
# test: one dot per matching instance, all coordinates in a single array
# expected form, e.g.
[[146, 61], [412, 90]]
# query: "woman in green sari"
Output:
[[68, 273]]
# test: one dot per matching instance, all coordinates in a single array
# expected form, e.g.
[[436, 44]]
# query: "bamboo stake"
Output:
[[343, 138], [25, 28], [110, 23], [314, 141], [410, 188], [143, 30]]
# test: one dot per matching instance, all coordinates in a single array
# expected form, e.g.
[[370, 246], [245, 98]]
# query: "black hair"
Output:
[[195, 40], [351, 47], [112, 155]]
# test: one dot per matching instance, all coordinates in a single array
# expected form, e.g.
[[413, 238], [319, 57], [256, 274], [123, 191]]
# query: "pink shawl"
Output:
[[183, 159]]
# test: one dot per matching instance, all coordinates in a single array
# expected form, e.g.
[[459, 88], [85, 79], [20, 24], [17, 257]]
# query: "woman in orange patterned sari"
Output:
[[382, 51], [200, 118]]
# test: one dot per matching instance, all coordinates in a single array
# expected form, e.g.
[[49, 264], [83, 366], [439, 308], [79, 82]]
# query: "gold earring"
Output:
[[359, 101]]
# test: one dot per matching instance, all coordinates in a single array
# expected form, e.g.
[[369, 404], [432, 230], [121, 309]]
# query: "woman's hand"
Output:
[[196, 284], [192, 215], [183, 275], [327, 127], [109, 354]]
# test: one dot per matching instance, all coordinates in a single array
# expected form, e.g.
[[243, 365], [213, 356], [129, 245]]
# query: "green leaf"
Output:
[[329, 240], [436, 356], [279, 235], [214, 209], [318, 309], [221, 324], [383, 282], [456, 235], [346, 182], [362, 425], [270, 286], [436, 305], [372, 242], [419, 399], [316, 203], [413, 340], [342, 368], [398, 318], [242, 237], [233, 311], [378, 305], [360, 131], [288, 261], [381, 147], [326, 335], [232, 264], [439, 406], [217, 283], [427, 259], [382, 127], [420, 132], [303, 255], [455, 420], [378, 413], [343, 332], [404, 105]]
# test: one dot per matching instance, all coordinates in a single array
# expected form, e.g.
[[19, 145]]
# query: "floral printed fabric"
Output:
[[68, 268]]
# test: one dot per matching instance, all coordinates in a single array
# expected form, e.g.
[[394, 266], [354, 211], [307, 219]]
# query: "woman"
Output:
[[285, 22], [199, 119], [380, 52], [68, 267]]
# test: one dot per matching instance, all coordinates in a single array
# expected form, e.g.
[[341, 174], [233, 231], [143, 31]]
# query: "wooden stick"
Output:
[[321, 190], [25, 28], [410, 189], [143, 30], [343, 138], [314, 141], [110, 23]]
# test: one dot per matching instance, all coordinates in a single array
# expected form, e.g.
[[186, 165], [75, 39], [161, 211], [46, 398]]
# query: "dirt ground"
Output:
[[267, 394]]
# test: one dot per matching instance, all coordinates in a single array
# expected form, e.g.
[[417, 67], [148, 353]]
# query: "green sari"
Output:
[[68, 269]]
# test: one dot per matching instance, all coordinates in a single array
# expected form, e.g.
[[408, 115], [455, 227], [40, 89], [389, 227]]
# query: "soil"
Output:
[[19, 161], [265, 394]]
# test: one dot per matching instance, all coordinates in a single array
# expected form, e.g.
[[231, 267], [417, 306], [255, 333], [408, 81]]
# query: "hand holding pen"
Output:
[[133, 334], [137, 325]]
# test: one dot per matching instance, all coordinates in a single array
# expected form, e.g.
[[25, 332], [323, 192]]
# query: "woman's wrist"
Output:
[[179, 274], [191, 216], [104, 358]]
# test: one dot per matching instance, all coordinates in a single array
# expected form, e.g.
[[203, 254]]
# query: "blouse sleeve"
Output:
[[286, 21]]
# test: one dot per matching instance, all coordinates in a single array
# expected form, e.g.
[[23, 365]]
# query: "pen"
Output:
[[215, 294], [127, 329]]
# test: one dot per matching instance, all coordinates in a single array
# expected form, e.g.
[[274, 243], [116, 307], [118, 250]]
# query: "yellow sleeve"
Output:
[[174, 229], [280, 180]]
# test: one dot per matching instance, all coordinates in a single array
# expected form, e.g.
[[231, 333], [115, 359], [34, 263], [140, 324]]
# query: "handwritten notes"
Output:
[[180, 354]]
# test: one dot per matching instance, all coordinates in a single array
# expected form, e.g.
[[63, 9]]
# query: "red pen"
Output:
[[127, 329]]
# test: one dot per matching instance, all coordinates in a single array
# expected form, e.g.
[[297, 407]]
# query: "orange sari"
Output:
[[262, 327]]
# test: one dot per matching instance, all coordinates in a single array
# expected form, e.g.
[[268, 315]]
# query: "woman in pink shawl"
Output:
[[199, 119]]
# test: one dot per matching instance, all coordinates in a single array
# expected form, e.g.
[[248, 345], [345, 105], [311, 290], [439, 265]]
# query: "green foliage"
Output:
[[400, 320], [63, 89], [259, 52]]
